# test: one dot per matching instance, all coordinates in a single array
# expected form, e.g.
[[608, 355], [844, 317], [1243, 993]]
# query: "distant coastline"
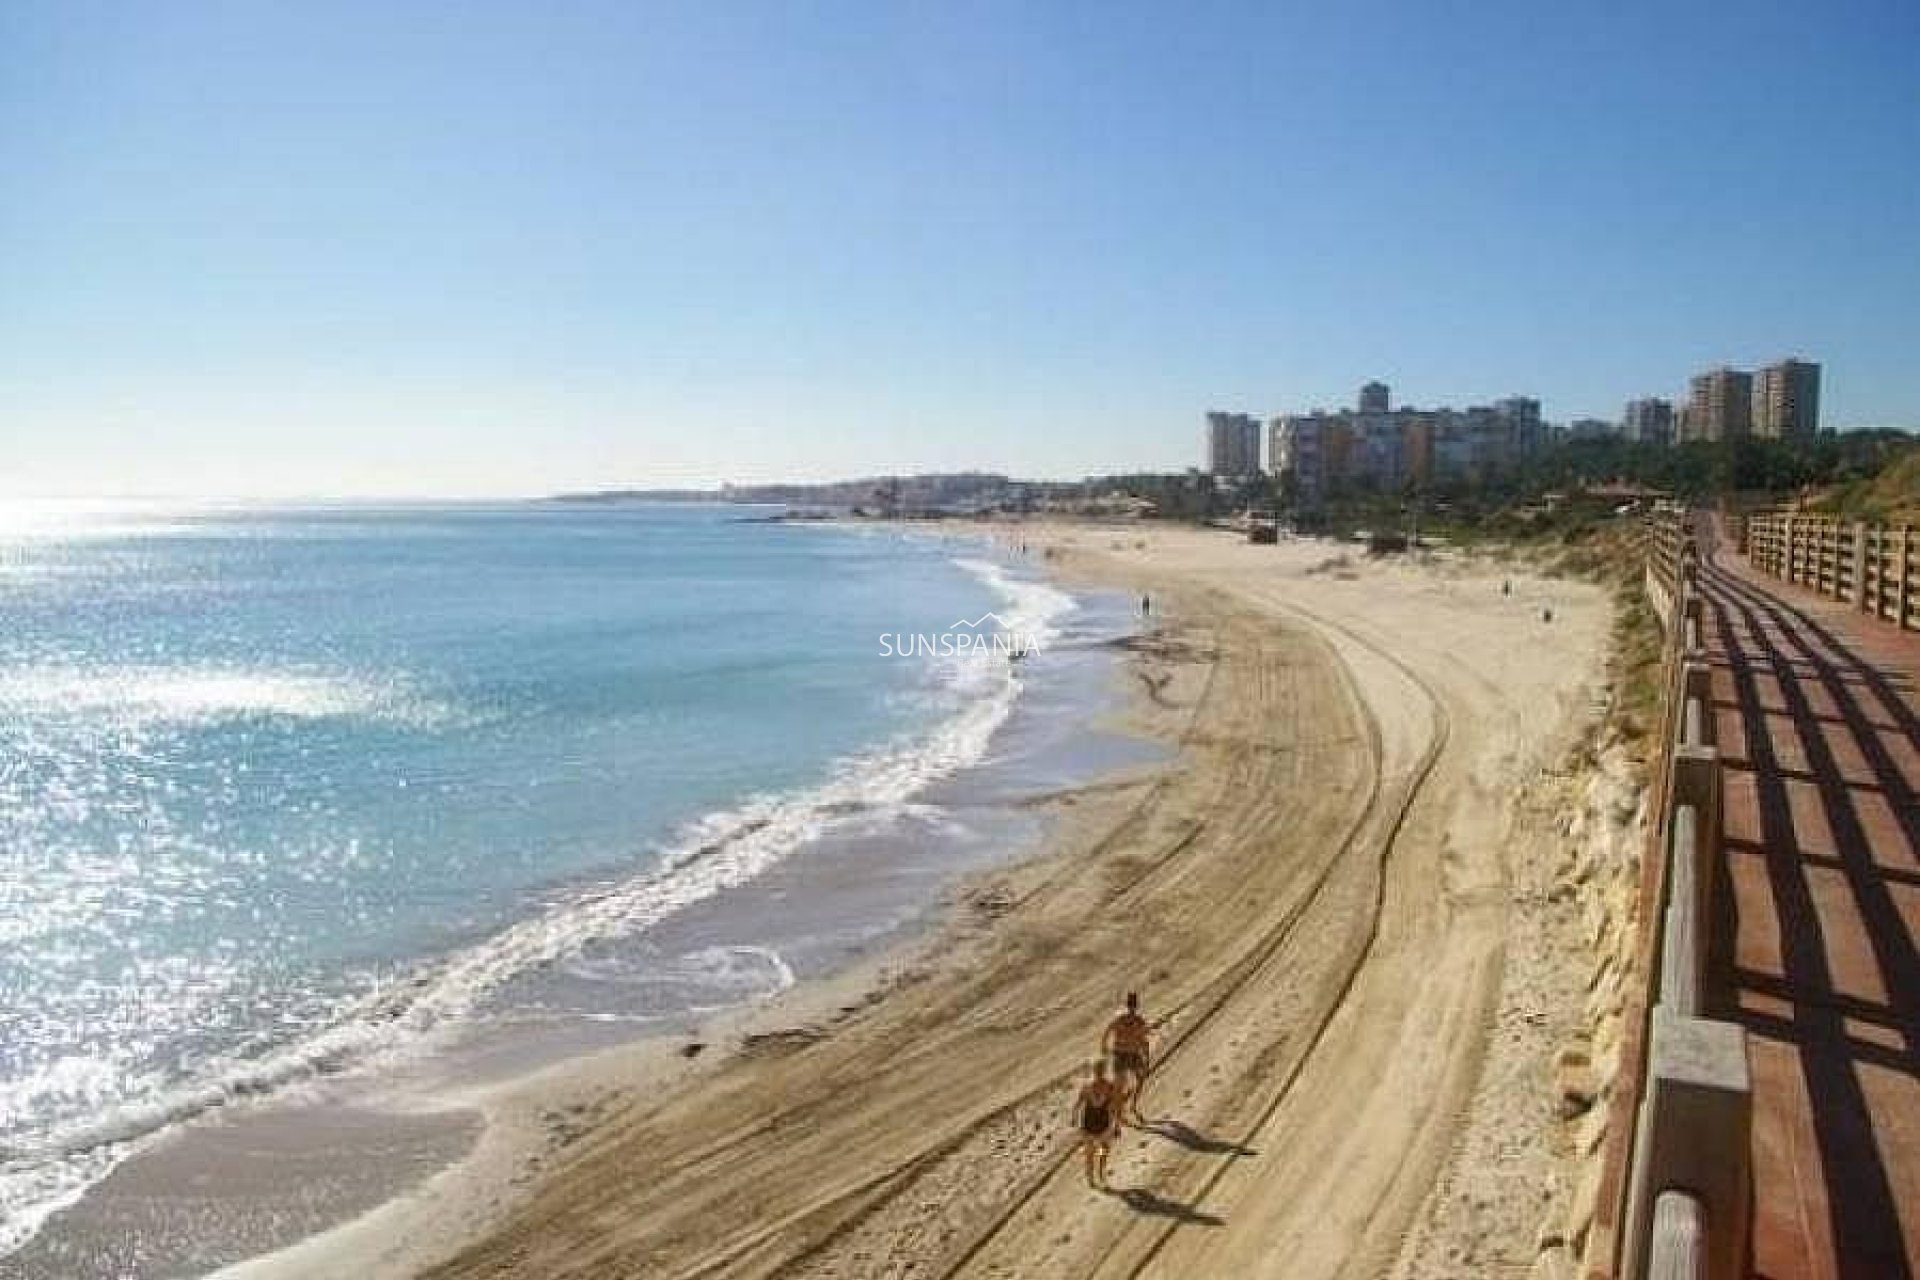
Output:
[[755, 512], [954, 493], [610, 496]]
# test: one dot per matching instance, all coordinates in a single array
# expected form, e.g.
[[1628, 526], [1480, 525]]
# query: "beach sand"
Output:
[[1316, 896]]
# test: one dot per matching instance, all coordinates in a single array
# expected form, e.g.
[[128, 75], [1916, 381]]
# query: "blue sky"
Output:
[[271, 248]]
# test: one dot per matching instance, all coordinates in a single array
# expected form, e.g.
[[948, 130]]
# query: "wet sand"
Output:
[[228, 1189]]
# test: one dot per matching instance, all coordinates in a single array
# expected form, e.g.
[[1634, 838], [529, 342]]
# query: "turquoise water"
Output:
[[284, 792]]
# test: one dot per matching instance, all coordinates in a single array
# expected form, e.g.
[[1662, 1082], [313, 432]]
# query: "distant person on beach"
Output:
[[1096, 1114], [1129, 1039], [1146, 605]]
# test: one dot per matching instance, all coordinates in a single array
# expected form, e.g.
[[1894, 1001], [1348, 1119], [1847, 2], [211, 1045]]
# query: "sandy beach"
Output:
[[1330, 899]]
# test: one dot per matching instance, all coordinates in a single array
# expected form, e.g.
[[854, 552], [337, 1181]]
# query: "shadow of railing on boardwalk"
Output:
[[1839, 673], [1763, 636]]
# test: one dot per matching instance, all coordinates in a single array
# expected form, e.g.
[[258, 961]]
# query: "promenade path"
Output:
[[1818, 904]]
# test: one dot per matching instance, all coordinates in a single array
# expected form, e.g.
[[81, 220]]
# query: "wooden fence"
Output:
[[1873, 567], [1675, 1183]]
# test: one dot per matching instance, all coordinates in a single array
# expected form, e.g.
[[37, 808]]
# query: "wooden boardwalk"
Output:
[[1818, 917]]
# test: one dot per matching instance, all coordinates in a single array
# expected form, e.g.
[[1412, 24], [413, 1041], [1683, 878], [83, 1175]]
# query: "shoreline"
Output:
[[469, 1127], [528, 1122], [1321, 874]]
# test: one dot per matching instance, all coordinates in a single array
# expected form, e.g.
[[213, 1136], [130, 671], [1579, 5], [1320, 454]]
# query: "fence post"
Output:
[[1696, 782], [1877, 594], [1885, 564], [1859, 600], [1826, 570], [1683, 931], [1696, 682], [1695, 1123], [1679, 1238], [1903, 573]]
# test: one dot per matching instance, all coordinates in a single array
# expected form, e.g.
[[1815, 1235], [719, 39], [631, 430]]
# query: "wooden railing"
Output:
[[1873, 567], [1677, 1171]]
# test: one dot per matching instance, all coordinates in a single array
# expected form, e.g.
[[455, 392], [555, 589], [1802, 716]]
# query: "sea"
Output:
[[302, 792]]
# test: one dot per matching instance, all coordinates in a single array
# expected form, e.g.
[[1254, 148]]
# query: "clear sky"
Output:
[[403, 247]]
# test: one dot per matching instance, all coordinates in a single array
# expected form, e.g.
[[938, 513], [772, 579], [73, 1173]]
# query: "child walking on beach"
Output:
[[1096, 1114]]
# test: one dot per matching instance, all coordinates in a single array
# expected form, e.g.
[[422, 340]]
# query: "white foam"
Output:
[[722, 977]]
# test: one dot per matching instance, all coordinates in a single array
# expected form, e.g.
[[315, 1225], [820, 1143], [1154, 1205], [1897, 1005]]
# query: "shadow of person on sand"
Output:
[[1193, 1140], [1141, 1200]]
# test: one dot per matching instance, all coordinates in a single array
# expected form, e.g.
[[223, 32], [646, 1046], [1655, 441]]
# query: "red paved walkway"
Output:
[[1818, 716]]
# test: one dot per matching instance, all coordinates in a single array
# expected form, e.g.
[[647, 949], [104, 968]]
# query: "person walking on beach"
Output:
[[1096, 1114], [1130, 1040]]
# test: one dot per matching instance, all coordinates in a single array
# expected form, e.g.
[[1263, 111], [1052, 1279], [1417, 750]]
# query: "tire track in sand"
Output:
[[739, 1177]]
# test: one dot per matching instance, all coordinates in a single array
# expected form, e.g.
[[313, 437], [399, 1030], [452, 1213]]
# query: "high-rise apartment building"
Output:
[[1374, 446], [1375, 456], [1299, 448], [1786, 400], [1648, 421], [1526, 433], [1720, 405], [1233, 445]]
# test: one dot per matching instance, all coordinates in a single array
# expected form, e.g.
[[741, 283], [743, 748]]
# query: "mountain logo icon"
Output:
[[976, 624]]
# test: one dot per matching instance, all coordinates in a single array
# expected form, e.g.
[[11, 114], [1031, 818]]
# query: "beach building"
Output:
[[1720, 405], [1648, 421], [1377, 446], [1418, 428], [1232, 445], [1786, 400], [1299, 450], [1526, 432], [1377, 459], [1490, 437]]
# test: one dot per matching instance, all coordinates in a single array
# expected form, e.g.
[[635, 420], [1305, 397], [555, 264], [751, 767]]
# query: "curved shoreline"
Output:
[[925, 1134], [373, 962], [250, 1157], [1319, 881]]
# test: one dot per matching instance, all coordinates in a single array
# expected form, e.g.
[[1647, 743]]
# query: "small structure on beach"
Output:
[[1382, 544]]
